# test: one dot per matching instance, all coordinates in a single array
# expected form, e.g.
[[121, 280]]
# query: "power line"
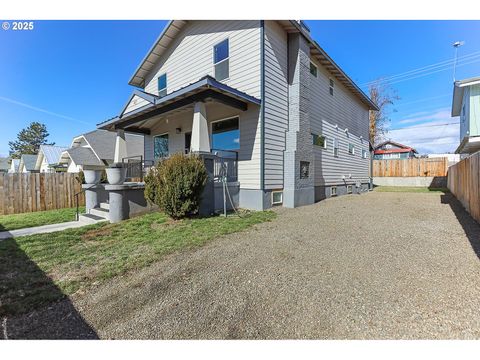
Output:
[[423, 126], [442, 64]]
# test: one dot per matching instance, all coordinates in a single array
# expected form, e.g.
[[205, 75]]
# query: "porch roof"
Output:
[[205, 89]]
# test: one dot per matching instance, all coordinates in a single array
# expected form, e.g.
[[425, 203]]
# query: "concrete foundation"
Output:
[[429, 181], [323, 192], [255, 199]]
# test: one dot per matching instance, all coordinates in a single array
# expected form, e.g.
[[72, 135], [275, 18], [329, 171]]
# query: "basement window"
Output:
[[349, 189], [277, 197], [333, 191], [313, 69], [162, 85], [221, 60], [332, 85]]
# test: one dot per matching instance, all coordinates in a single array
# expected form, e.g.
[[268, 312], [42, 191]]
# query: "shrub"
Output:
[[176, 184]]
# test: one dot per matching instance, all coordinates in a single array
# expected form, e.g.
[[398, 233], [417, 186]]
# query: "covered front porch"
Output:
[[206, 118]]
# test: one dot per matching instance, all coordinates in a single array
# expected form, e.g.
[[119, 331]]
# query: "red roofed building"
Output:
[[391, 150]]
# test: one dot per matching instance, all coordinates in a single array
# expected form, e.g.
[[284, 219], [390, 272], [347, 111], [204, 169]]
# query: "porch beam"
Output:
[[137, 130], [189, 100]]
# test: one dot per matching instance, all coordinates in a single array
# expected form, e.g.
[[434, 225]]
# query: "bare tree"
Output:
[[382, 95]]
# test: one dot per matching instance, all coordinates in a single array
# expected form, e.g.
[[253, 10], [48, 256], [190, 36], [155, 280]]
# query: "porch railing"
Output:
[[225, 164], [136, 167]]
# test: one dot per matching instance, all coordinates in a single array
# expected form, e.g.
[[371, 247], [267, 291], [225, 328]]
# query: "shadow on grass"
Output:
[[31, 305], [470, 226]]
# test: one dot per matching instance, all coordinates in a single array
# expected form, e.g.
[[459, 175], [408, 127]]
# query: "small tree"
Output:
[[176, 185], [29, 140], [383, 96]]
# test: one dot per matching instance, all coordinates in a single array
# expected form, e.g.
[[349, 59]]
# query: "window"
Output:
[[332, 85], [277, 197], [364, 154], [335, 147], [319, 140], [351, 149], [160, 146], [304, 169], [226, 134], [220, 60], [333, 191], [349, 189], [162, 85], [313, 69]]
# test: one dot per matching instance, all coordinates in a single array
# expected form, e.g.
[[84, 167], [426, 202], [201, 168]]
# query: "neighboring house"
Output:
[[262, 91], [466, 104], [27, 164], [391, 150], [452, 158], [14, 165], [4, 165], [96, 149], [48, 159]]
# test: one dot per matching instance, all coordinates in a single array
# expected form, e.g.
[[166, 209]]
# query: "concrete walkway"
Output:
[[41, 229]]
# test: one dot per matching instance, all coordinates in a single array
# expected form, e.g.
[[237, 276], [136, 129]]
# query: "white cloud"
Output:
[[430, 136]]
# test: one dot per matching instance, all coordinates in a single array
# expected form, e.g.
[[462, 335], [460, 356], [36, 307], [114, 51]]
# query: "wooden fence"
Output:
[[36, 192], [464, 182], [410, 167]]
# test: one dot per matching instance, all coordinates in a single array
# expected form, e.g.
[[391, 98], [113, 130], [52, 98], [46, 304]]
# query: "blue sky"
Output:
[[71, 75]]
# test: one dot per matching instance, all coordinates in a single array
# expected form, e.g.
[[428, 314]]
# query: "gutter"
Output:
[[262, 105]]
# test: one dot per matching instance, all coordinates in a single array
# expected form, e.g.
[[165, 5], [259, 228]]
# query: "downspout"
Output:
[[262, 106]]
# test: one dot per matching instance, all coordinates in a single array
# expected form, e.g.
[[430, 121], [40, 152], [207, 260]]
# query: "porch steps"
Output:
[[105, 206], [90, 219], [100, 212]]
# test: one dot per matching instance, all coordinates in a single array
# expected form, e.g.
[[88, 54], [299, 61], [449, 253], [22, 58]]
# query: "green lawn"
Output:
[[38, 269], [25, 220], [411, 189]]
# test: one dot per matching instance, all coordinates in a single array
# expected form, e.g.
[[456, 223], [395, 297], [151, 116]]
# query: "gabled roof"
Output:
[[4, 164], [402, 148], [28, 161], [458, 92], [51, 153], [82, 156], [14, 165], [142, 94], [173, 28]]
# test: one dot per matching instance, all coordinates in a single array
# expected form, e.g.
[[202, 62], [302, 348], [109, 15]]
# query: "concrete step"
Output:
[[103, 213], [90, 219], [105, 206]]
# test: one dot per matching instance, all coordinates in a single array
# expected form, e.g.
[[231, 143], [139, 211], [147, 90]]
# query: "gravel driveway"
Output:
[[378, 265]]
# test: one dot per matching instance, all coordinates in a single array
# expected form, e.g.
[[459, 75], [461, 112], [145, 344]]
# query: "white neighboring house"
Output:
[[27, 164], [96, 149], [48, 159], [452, 158], [262, 92], [14, 165]]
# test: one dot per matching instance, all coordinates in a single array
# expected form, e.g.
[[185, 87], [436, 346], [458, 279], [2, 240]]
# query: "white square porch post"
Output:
[[120, 147], [200, 140]]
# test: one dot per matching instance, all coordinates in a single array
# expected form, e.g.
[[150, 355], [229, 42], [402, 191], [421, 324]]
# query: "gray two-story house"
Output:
[[260, 92]]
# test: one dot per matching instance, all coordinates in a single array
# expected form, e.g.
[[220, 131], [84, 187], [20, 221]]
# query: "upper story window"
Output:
[[162, 85], [313, 69], [221, 60], [335, 147], [332, 85]]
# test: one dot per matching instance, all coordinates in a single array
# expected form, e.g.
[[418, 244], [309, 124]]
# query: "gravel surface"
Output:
[[378, 265]]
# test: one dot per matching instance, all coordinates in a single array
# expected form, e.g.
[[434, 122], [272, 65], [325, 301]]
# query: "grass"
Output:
[[410, 189], [38, 269], [38, 218]]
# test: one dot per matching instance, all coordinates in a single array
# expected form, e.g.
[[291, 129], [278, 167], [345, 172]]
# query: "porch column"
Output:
[[200, 139], [120, 147]]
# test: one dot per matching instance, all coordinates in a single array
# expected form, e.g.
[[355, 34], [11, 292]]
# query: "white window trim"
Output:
[[324, 142], [165, 88], [227, 58], [227, 118], [349, 189], [353, 148], [364, 154], [331, 190], [158, 135], [335, 140], [277, 202]]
